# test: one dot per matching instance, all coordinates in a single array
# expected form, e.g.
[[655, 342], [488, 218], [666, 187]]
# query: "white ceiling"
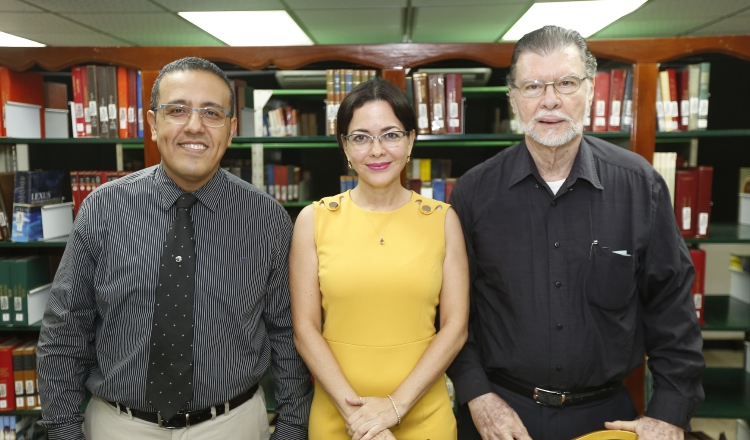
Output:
[[156, 23]]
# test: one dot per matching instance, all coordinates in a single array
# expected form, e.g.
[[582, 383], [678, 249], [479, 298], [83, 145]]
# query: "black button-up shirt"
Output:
[[569, 290]]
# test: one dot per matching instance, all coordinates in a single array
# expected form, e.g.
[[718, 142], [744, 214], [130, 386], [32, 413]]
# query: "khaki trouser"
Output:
[[247, 422]]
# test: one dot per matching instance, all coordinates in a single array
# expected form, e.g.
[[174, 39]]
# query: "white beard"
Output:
[[549, 137]]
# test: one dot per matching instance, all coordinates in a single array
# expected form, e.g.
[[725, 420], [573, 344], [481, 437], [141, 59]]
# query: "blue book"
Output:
[[269, 180], [27, 223], [41, 187], [438, 189], [139, 98]]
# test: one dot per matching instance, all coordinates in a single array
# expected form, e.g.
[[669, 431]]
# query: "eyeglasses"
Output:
[[390, 139], [180, 114], [533, 88]]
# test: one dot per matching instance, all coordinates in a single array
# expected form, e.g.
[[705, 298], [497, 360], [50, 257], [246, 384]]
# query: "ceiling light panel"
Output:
[[250, 28]]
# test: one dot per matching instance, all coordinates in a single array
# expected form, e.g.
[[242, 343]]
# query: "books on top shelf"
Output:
[[107, 102], [438, 102], [339, 82], [682, 97], [611, 108]]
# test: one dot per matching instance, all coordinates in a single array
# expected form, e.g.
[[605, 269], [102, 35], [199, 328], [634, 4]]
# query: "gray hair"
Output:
[[550, 39], [192, 63]]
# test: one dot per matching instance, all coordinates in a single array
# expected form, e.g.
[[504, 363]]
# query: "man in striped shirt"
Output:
[[96, 332]]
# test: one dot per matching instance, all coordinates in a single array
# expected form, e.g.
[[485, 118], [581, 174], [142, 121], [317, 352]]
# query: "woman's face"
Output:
[[378, 163]]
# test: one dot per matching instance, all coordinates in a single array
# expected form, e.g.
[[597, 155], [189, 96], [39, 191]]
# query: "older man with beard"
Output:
[[577, 269]]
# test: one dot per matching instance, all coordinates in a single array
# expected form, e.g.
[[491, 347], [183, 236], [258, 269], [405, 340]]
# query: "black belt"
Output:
[[187, 419], [555, 398]]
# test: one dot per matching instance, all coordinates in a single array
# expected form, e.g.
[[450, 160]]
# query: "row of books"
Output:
[[438, 102], [18, 374], [612, 106], [83, 182], [107, 102], [682, 98], [289, 121], [24, 289], [339, 82], [438, 189], [286, 183], [430, 177], [690, 192]]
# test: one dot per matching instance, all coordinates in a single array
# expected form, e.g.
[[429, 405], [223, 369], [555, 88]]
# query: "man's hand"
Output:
[[495, 420], [649, 429]]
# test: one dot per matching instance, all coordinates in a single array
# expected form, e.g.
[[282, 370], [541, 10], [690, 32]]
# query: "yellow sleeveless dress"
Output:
[[379, 304]]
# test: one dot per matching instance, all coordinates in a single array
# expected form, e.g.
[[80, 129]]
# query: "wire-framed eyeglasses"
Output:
[[389, 139], [179, 114], [565, 85]]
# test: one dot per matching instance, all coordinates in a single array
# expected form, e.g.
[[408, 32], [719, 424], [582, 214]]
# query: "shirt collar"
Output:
[[583, 166], [209, 194]]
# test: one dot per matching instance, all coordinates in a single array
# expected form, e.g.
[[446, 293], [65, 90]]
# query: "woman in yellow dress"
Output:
[[378, 261]]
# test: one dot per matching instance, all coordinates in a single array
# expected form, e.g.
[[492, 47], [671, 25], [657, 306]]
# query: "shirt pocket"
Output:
[[609, 282]]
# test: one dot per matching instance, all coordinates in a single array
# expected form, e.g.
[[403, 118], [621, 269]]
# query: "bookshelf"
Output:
[[393, 61]]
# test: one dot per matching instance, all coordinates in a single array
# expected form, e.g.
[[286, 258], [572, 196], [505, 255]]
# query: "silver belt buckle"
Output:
[[549, 398]]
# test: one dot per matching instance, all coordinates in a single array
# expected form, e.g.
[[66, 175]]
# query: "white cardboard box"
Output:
[[55, 123], [744, 211], [36, 302], [739, 285], [57, 220], [23, 120]]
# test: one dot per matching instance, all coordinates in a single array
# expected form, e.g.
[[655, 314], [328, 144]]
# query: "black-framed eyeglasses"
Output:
[[179, 114], [390, 139], [565, 85]]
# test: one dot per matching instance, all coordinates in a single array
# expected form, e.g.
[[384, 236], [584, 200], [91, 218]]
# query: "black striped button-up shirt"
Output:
[[96, 330]]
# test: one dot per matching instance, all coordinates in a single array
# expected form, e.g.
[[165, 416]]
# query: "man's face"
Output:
[[552, 119], [191, 152]]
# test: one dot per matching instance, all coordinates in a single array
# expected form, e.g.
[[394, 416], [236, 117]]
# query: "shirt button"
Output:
[[558, 368], [557, 244], [554, 203], [558, 284], [559, 326]]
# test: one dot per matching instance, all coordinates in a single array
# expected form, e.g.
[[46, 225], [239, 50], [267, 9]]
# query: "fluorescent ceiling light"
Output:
[[8, 40], [587, 17], [250, 28]]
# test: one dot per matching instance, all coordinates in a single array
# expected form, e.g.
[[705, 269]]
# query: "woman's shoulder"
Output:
[[331, 203], [428, 206]]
